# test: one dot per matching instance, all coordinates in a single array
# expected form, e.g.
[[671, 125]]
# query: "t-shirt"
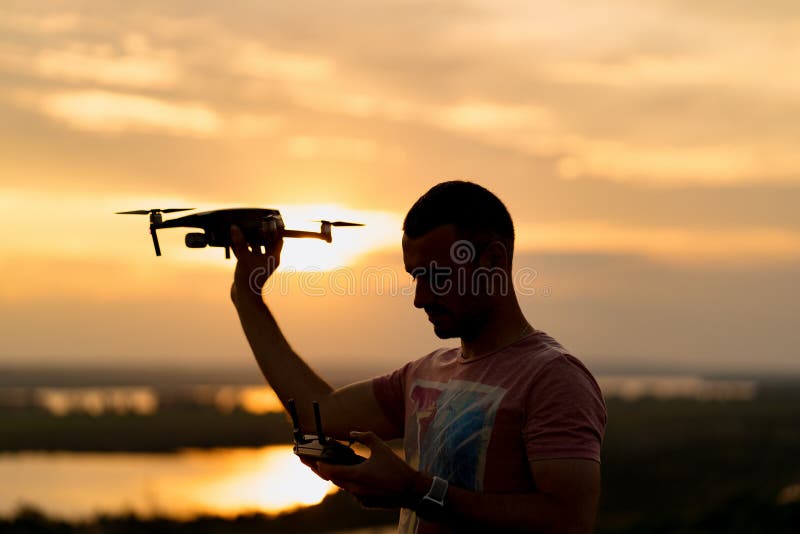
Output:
[[479, 422]]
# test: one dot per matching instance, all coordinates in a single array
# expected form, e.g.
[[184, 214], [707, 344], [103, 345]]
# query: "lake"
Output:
[[183, 485]]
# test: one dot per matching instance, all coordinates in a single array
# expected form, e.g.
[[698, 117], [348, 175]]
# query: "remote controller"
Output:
[[319, 447]]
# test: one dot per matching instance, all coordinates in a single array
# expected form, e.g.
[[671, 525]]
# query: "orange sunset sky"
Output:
[[648, 152]]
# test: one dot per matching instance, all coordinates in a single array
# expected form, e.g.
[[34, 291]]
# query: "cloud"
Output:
[[107, 112], [699, 248], [138, 66], [41, 24], [307, 147], [675, 165], [643, 94], [256, 60], [758, 70]]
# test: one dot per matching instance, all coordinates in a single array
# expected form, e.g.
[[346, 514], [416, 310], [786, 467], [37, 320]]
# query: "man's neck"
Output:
[[501, 330]]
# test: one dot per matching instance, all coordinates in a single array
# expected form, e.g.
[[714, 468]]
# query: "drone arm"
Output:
[[303, 233]]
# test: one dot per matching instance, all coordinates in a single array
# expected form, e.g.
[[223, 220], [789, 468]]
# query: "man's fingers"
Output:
[[239, 245], [341, 473], [274, 247]]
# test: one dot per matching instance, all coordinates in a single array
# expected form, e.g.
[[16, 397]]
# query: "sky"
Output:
[[647, 152]]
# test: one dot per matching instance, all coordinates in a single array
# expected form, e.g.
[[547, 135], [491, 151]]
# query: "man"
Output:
[[501, 434]]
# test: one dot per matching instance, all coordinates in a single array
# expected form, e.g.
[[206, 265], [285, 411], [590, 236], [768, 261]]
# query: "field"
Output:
[[668, 465]]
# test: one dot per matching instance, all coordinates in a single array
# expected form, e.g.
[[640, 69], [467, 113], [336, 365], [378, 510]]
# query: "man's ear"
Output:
[[495, 255]]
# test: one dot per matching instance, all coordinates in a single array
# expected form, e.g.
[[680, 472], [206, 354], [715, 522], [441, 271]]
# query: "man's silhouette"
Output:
[[502, 433]]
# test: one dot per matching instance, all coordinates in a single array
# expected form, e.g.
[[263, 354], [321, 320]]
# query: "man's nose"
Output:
[[422, 294]]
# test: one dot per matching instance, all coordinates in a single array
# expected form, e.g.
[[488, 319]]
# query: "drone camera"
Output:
[[196, 240]]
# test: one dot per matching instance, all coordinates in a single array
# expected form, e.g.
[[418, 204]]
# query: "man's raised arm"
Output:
[[350, 407]]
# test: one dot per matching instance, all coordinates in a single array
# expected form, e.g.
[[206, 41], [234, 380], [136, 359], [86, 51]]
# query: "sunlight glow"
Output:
[[276, 482]]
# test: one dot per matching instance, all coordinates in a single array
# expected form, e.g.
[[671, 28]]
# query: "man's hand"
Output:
[[384, 480], [253, 267]]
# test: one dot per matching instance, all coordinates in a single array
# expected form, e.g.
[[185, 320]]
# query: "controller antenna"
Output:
[[318, 422], [298, 434]]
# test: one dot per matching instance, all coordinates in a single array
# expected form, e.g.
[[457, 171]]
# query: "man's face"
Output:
[[442, 275]]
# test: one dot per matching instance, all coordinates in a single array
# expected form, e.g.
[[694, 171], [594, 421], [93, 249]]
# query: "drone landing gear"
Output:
[[155, 219], [154, 235]]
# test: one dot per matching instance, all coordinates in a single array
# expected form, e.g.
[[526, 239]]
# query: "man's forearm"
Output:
[[289, 376], [529, 512]]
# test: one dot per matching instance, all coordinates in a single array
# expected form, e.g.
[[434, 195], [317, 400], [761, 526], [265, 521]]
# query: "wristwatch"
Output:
[[432, 504]]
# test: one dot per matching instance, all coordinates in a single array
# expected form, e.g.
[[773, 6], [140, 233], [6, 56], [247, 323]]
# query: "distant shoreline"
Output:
[[60, 375]]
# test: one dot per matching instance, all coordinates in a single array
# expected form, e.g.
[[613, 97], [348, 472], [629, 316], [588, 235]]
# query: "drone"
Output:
[[259, 225]]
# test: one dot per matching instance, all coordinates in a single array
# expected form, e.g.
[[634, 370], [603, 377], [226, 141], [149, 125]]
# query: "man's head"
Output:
[[477, 214], [458, 244]]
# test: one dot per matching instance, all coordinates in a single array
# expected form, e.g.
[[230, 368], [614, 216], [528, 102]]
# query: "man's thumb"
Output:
[[367, 438]]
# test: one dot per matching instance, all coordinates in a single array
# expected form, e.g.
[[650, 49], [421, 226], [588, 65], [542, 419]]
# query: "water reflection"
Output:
[[224, 482]]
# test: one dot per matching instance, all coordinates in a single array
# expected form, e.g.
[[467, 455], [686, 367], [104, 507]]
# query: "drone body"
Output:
[[259, 225]]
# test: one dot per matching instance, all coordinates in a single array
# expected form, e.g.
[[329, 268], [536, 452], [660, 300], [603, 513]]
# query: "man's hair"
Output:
[[475, 211]]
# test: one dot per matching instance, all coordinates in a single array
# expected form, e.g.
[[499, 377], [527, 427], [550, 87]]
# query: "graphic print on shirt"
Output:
[[449, 431]]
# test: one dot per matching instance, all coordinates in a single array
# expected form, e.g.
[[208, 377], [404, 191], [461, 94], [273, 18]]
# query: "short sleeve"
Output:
[[390, 393], [565, 412]]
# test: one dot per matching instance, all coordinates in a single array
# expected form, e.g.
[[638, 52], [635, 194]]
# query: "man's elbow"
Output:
[[576, 527], [567, 524], [575, 520]]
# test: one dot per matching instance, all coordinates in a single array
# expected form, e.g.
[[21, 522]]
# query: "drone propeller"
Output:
[[155, 210], [340, 223]]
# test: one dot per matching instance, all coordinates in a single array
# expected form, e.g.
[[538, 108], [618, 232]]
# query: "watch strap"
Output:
[[437, 492], [431, 505]]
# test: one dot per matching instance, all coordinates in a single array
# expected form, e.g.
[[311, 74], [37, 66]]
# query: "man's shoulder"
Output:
[[540, 357], [534, 351], [436, 359]]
